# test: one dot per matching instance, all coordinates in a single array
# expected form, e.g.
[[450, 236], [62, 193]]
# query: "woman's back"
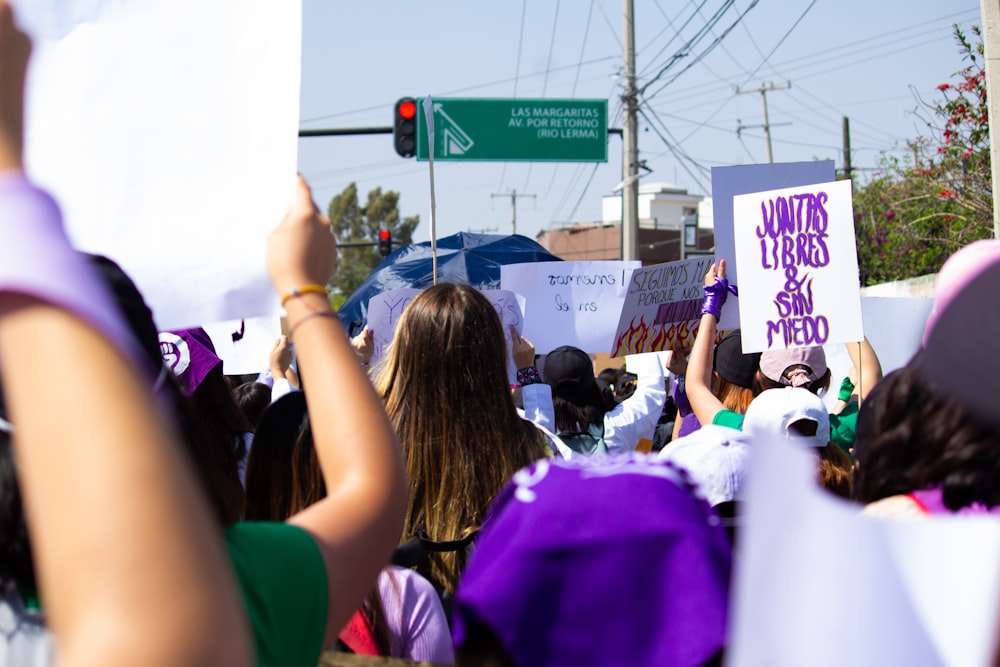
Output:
[[447, 394]]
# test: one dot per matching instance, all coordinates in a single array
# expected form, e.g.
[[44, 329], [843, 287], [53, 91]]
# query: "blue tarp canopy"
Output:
[[463, 258]]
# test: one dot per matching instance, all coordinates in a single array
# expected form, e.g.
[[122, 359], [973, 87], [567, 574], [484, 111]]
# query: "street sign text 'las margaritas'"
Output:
[[539, 130]]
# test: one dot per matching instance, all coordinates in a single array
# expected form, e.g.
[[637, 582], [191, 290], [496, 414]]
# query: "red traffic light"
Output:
[[408, 109], [404, 127], [384, 242]]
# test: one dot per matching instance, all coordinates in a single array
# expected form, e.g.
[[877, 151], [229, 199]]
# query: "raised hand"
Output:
[[301, 250]]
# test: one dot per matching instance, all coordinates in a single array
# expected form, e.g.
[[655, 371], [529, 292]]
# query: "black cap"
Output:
[[570, 372], [731, 364]]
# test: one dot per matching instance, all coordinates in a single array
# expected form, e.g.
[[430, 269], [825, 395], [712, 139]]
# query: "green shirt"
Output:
[[283, 580]]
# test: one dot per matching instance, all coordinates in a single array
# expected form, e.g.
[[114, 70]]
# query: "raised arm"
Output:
[[359, 522], [132, 570], [866, 365], [698, 379]]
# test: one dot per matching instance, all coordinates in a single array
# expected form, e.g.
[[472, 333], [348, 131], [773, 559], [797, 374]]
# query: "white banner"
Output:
[[167, 130], [569, 303]]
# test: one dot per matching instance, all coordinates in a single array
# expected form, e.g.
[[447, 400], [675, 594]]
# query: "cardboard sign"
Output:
[[798, 264], [385, 309], [569, 303], [728, 182], [167, 132], [662, 307]]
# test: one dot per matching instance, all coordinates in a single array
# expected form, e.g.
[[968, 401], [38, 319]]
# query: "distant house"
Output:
[[668, 216]]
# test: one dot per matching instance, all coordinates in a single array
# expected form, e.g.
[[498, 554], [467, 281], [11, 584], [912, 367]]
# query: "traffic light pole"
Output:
[[345, 131]]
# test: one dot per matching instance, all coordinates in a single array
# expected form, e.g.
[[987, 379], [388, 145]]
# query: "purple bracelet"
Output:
[[528, 375], [715, 297]]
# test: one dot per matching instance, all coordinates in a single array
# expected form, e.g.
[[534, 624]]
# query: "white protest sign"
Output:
[[662, 306], [569, 303], [385, 309], [917, 592], [798, 267], [244, 345], [727, 182], [167, 132]]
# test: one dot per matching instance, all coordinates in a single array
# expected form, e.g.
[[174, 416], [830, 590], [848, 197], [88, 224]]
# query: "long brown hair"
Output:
[[446, 390]]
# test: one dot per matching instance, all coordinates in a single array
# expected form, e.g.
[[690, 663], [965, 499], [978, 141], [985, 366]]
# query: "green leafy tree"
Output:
[[353, 223], [918, 210]]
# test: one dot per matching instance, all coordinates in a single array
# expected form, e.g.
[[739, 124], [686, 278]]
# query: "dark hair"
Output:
[[269, 478], [214, 434], [15, 543], [573, 417], [912, 437], [210, 425], [284, 477], [252, 398]]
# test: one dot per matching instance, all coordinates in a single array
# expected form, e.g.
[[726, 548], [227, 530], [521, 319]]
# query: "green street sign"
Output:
[[533, 130]]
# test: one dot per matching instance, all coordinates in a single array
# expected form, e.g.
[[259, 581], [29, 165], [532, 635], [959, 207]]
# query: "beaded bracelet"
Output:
[[316, 313], [299, 291]]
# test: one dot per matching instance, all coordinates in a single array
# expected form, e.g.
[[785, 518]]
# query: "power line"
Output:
[[545, 81], [677, 34], [800, 63], [686, 48], [675, 149], [576, 79], [780, 42], [711, 47], [465, 89]]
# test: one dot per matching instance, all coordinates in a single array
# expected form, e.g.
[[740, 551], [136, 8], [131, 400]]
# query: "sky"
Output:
[[874, 62]]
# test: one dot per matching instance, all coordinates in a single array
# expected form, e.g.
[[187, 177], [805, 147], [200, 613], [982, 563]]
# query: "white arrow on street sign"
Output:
[[454, 139]]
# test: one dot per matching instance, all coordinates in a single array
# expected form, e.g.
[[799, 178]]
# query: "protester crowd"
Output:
[[154, 511]]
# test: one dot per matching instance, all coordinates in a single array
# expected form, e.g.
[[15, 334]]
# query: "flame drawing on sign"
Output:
[[633, 338]]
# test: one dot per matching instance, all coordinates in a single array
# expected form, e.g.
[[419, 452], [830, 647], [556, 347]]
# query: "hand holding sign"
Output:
[[522, 350]]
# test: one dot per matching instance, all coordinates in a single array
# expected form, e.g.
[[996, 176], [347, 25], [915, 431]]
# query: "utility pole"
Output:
[[630, 141], [513, 207], [764, 90], [848, 169], [990, 10]]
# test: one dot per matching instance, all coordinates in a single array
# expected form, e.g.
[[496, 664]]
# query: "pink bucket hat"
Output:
[[958, 271]]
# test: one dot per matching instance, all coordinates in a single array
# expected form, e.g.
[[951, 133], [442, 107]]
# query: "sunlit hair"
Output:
[[835, 470], [447, 393], [731, 395]]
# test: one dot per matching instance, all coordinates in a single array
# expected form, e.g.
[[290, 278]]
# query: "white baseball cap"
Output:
[[791, 413]]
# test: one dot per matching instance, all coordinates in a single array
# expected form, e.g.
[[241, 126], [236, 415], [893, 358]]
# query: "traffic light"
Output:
[[384, 242], [404, 127]]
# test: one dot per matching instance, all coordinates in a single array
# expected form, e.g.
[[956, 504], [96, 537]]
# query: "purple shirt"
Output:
[[36, 259]]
